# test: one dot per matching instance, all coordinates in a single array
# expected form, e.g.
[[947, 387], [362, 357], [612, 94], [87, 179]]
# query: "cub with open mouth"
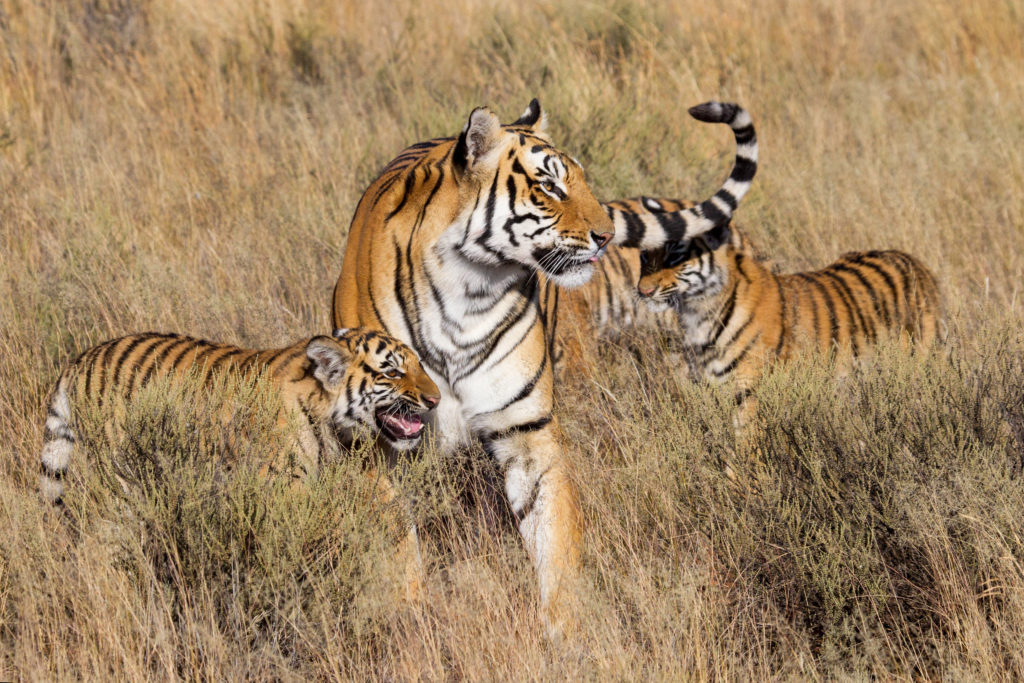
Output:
[[401, 423], [393, 394]]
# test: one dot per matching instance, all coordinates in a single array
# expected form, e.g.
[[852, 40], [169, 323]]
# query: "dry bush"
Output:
[[192, 167]]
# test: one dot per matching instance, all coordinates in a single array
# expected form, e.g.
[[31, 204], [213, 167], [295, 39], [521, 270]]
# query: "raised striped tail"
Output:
[[58, 445], [648, 223]]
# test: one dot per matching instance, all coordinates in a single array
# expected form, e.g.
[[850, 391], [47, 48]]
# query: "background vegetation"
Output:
[[191, 166]]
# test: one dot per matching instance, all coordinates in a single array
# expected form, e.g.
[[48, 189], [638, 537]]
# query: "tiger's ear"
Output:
[[533, 117], [329, 361], [478, 137]]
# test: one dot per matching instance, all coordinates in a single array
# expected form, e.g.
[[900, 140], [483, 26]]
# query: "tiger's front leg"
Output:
[[547, 511]]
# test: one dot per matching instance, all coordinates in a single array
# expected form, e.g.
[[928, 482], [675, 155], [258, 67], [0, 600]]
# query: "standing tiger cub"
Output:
[[331, 387], [737, 316]]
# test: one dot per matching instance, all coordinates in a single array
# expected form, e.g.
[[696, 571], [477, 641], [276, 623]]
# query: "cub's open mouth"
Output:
[[399, 423]]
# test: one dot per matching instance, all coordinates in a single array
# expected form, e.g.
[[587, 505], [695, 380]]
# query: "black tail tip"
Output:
[[714, 112]]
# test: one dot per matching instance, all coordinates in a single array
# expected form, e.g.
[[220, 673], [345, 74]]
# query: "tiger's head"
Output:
[[375, 382], [689, 271], [523, 203]]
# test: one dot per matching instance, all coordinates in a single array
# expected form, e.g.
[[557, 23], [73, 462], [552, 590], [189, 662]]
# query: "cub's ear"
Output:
[[717, 236], [478, 137], [533, 117], [736, 241], [329, 361]]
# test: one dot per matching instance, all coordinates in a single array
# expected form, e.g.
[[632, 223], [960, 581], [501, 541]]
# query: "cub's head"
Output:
[[523, 203], [682, 272], [373, 381]]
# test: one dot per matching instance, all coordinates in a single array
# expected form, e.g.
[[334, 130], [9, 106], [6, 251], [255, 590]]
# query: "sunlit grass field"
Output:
[[193, 166]]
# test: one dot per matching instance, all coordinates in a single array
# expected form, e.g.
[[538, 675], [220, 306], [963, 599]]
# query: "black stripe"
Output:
[[62, 432], [744, 134], [404, 298], [837, 300], [881, 309], [221, 360], [782, 314], [728, 198], [527, 507], [495, 337], [386, 185], [524, 428], [744, 170], [857, 323], [143, 360], [829, 306], [161, 358], [735, 361], [635, 229], [283, 358], [203, 355], [710, 210], [135, 343], [430, 197], [905, 288], [189, 345], [492, 198], [887, 279], [58, 474], [799, 293], [527, 388], [410, 181], [725, 315], [100, 365]]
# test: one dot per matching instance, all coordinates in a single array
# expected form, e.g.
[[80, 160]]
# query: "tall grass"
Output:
[[190, 166]]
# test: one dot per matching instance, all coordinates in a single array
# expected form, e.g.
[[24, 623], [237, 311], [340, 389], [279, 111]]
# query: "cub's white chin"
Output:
[[404, 444], [576, 277], [656, 305]]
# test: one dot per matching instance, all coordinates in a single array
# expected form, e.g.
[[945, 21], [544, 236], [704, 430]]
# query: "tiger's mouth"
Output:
[[400, 423], [568, 267]]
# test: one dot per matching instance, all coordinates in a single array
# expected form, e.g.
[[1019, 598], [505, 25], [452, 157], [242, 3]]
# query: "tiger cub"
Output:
[[331, 387], [736, 316]]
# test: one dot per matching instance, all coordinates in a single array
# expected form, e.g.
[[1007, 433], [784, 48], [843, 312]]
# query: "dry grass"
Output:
[[181, 165]]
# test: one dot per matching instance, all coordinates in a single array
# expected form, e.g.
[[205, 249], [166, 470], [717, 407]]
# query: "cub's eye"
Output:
[[674, 260], [392, 373], [644, 258]]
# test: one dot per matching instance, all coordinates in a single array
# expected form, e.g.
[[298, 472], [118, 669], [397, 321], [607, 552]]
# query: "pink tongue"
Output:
[[406, 425]]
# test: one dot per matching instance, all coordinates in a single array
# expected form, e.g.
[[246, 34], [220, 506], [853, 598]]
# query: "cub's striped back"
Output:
[[332, 387], [737, 316]]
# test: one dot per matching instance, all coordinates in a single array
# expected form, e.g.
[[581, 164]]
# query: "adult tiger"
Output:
[[737, 317], [330, 387], [446, 251]]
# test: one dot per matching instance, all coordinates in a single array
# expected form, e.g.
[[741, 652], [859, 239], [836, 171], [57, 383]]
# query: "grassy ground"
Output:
[[181, 165]]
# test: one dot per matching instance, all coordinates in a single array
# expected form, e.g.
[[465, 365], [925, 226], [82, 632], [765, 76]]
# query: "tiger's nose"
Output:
[[431, 400], [645, 291], [602, 238]]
